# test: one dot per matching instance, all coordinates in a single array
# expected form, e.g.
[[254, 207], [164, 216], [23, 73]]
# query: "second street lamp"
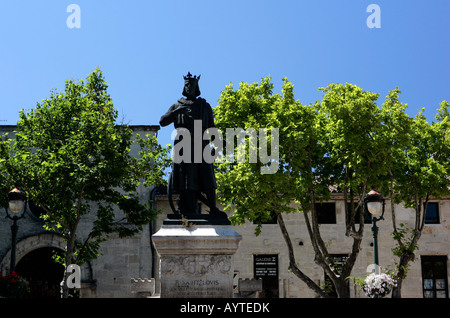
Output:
[[374, 203], [17, 202]]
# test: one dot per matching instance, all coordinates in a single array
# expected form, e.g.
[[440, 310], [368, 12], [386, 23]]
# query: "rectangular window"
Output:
[[326, 213], [434, 276], [432, 213]]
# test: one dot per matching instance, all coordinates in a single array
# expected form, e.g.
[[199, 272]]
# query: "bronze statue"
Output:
[[193, 178]]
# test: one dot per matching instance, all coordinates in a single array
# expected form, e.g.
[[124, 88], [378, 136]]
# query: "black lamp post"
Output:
[[17, 202], [374, 203]]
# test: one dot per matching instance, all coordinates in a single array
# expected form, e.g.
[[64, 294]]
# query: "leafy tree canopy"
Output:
[[74, 161]]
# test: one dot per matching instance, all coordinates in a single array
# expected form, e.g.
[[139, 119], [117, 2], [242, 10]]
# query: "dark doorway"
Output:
[[42, 272]]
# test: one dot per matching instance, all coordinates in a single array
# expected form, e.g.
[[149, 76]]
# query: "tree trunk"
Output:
[[397, 291], [68, 261], [401, 273], [292, 266], [342, 289]]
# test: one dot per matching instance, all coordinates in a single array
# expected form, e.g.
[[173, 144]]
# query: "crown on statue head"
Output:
[[189, 77]]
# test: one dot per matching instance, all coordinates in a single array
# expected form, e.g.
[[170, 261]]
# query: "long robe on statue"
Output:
[[191, 175]]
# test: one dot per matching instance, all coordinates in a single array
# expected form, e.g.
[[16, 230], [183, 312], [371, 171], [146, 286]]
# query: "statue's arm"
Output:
[[168, 117], [177, 113]]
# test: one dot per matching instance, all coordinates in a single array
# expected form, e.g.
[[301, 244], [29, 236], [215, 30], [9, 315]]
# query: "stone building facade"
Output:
[[129, 267]]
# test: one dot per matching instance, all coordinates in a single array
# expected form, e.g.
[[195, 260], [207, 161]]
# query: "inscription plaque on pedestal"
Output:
[[196, 262], [196, 276]]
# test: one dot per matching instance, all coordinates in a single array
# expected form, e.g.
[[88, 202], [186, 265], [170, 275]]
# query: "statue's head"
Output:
[[191, 89]]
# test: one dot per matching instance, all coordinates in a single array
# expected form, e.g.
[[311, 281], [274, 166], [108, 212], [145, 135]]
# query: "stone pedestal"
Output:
[[196, 260]]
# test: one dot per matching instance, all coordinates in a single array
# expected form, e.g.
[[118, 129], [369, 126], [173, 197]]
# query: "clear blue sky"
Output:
[[145, 47]]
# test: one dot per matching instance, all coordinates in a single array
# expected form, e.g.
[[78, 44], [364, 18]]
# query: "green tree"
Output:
[[355, 162], [419, 170], [330, 143], [345, 142], [73, 160]]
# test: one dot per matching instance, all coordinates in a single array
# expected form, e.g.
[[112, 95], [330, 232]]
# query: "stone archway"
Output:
[[43, 274], [31, 243], [34, 263], [44, 241]]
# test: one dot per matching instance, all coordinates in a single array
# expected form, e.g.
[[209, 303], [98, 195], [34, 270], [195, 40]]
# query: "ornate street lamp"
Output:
[[17, 202], [374, 203]]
